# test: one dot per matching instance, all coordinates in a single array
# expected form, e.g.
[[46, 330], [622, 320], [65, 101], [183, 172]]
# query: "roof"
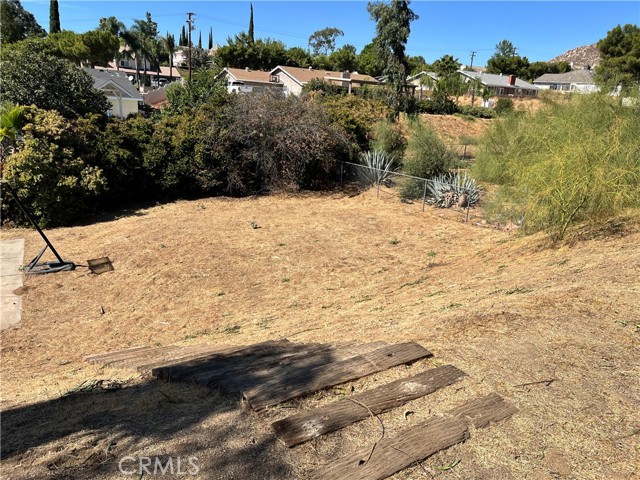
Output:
[[433, 75], [305, 75], [102, 78], [492, 80], [575, 76], [164, 71], [247, 75], [157, 98]]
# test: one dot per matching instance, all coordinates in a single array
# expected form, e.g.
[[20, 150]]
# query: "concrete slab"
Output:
[[11, 260]]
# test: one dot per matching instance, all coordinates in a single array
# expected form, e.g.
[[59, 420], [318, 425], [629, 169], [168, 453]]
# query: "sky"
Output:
[[540, 30]]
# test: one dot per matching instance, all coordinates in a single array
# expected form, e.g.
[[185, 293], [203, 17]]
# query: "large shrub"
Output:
[[426, 155], [30, 77], [571, 161], [356, 116], [52, 170], [388, 137], [280, 143]]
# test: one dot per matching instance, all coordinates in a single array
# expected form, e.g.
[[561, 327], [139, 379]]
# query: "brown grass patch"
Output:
[[506, 310]]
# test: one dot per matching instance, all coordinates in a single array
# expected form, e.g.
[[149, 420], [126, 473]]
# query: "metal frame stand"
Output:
[[35, 266]]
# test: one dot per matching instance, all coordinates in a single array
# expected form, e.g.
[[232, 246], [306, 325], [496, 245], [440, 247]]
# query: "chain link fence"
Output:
[[454, 191]]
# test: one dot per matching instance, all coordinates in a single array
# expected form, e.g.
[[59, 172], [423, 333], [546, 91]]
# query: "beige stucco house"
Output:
[[116, 86]]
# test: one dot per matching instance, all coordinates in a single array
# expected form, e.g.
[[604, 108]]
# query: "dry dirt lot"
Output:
[[555, 330]]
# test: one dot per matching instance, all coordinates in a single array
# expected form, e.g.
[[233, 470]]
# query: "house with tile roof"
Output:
[[245, 80], [581, 81], [294, 78], [123, 96], [502, 85]]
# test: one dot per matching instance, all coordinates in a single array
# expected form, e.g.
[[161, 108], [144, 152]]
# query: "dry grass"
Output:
[[506, 310]]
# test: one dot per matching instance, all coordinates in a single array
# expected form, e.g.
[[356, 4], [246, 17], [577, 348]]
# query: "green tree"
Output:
[[259, 55], [203, 89], [250, 32], [102, 47], [323, 41], [16, 23], [505, 61], [369, 62], [54, 17], [620, 57], [200, 40], [298, 57], [446, 66], [31, 77], [183, 38], [113, 25], [169, 43], [393, 26], [69, 45], [344, 59], [210, 38], [416, 64]]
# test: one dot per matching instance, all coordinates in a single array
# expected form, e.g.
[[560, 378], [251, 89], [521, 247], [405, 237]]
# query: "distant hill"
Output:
[[580, 56]]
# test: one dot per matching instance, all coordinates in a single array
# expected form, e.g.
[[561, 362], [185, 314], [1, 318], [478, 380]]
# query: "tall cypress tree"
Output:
[[251, 25], [210, 38], [200, 39], [183, 37], [54, 17]]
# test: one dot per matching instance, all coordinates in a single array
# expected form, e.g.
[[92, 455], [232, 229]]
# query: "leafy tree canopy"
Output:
[[323, 41], [620, 57], [505, 61], [393, 26], [16, 23], [31, 77], [446, 66], [241, 52]]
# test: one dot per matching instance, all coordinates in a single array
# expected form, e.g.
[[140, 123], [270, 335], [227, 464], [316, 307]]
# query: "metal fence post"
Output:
[[424, 195], [341, 171], [378, 192]]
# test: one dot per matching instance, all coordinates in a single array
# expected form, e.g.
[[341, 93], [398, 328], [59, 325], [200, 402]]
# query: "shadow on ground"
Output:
[[87, 434]]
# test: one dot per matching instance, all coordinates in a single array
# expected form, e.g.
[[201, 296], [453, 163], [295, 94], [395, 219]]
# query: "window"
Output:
[[274, 78]]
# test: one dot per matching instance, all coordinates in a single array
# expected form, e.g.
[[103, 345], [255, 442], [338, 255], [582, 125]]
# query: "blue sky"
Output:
[[540, 30]]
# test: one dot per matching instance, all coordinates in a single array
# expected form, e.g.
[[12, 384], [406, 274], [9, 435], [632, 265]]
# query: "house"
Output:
[[245, 80], [502, 85], [156, 99], [294, 78], [159, 75], [423, 82], [581, 81], [116, 86]]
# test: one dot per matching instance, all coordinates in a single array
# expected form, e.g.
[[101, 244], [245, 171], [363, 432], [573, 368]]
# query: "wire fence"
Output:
[[458, 195]]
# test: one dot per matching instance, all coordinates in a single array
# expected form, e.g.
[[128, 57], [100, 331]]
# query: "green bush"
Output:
[[503, 106], [426, 156], [388, 137], [355, 116], [478, 112], [569, 162], [438, 104], [52, 171]]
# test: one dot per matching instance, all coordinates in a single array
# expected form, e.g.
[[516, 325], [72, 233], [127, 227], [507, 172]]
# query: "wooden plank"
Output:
[[190, 353], [390, 455], [144, 356], [100, 357], [414, 444], [319, 421], [174, 372], [307, 380], [244, 375], [482, 411]]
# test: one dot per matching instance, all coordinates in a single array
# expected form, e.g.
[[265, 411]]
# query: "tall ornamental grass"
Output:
[[569, 162]]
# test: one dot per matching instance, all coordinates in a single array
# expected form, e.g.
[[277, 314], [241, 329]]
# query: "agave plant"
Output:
[[454, 188], [377, 166]]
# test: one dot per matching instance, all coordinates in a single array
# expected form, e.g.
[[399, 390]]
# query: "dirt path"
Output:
[[11, 259]]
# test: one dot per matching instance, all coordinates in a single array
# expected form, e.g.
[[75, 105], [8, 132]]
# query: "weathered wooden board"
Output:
[[302, 381], [258, 350], [108, 356], [187, 354], [482, 411], [248, 374], [414, 444], [390, 455], [307, 425]]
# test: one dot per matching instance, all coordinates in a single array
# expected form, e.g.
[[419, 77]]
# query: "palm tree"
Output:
[[115, 26], [169, 43], [133, 49]]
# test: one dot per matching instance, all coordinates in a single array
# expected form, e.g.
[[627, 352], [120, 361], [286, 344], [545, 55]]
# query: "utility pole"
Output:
[[475, 82], [473, 55], [190, 21]]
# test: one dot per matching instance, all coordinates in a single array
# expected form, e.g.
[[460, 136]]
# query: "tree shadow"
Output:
[[87, 434]]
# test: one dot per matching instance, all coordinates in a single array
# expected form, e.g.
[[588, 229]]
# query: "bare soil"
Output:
[[555, 330]]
